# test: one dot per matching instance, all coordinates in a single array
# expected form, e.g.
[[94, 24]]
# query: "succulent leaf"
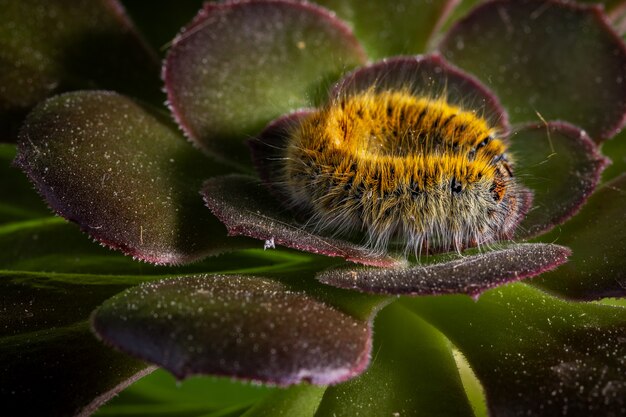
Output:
[[523, 49], [121, 172], [239, 65], [245, 327]]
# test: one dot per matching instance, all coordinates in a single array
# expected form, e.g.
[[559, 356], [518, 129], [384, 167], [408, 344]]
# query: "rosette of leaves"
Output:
[[172, 187]]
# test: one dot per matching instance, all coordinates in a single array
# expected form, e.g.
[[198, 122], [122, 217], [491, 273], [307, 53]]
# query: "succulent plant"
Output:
[[209, 283]]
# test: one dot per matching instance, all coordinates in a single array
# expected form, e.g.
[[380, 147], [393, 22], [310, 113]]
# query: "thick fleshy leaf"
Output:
[[52, 244], [123, 174], [239, 65], [618, 19], [403, 27], [596, 235], [245, 327], [413, 372], [559, 60], [17, 201], [50, 362], [611, 6], [68, 45], [450, 274], [562, 165], [615, 150], [244, 206], [301, 401], [49, 243], [429, 75], [49, 352], [460, 9], [161, 395], [537, 355]]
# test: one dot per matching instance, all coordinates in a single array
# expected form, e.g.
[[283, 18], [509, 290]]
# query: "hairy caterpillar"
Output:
[[406, 170]]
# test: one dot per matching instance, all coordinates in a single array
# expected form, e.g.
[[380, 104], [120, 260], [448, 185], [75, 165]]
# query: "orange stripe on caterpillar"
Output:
[[405, 169]]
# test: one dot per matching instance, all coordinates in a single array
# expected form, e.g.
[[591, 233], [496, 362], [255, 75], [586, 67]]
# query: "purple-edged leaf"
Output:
[[562, 165], [596, 235], [469, 275], [403, 27], [239, 65], [537, 355], [123, 173], [245, 327], [611, 6], [52, 244], [244, 206], [414, 374], [66, 45], [429, 75], [558, 59]]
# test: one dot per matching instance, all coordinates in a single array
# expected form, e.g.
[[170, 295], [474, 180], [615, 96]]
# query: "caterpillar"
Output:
[[406, 170]]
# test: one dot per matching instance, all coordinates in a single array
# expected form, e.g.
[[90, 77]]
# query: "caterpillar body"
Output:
[[406, 170]]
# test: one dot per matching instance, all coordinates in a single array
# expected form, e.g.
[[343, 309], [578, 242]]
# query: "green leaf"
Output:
[[46, 348], [556, 59], [412, 372], [124, 174], [459, 10], [52, 244], [596, 235], [47, 351], [615, 149], [239, 65], [160, 395], [68, 46], [404, 27], [301, 401], [19, 201], [161, 20], [535, 354], [562, 166]]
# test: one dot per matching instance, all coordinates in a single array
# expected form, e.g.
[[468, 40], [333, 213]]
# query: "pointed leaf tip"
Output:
[[245, 327]]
